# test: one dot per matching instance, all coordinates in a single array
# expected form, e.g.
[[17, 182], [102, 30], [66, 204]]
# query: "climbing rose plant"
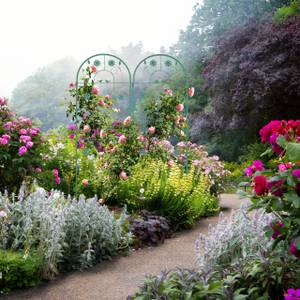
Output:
[[276, 186]]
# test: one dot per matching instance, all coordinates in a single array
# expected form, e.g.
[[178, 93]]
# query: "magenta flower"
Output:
[[29, 144], [293, 250], [22, 150], [23, 131], [3, 141], [258, 165], [57, 180], [6, 136], [33, 132], [25, 138], [260, 185], [249, 171], [55, 172], [284, 166], [292, 294], [72, 135], [296, 173], [7, 125], [72, 126]]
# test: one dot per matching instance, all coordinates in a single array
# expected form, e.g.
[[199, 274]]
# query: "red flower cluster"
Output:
[[289, 129]]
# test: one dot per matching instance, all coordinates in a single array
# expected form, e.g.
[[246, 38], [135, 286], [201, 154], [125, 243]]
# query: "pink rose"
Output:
[[72, 126], [71, 85], [151, 130], [25, 138], [103, 133], [122, 139], [85, 182], [170, 163], [123, 175], [3, 141], [168, 91], [23, 131], [7, 125], [191, 91], [101, 102], [72, 136], [296, 173], [179, 107], [29, 144], [127, 120], [258, 165], [38, 170], [86, 128], [107, 96], [141, 138], [6, 136], [95, 90], [93, 69], [3, 101], [22, 150]]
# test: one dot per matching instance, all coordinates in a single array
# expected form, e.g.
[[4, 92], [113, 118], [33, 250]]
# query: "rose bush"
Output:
[[20, 146], [276, 185]]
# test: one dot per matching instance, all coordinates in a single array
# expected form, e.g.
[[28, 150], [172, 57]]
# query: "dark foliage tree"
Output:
[[253, 77]]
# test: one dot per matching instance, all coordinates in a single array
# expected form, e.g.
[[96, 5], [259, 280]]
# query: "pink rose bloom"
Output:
[[170, 163], [23, 131], [284, 166], [81, 145], [86, 128], [101, 102], [25, 138], [72, 126], [258, 165], [29, 144], [85, 182], [3, 101], [3, 141], [95, 90], [179, 107], [127, 120], [107, 96], [191, 91], [33, 132], [72, 136], [93, 69], [103, 133], [141, 138], [296, 173], [7, 125], [38, 170], [168, 91], [151, 130], [123, 175], [122, 139], [183, 119], [71, 85], [22, 150], [6, 136]]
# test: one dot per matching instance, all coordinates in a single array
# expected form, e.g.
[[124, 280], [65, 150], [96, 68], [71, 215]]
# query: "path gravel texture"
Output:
[[116, 279]]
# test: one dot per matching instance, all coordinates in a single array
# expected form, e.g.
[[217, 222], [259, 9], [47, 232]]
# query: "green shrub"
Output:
[[287, 11], [180, 196], [18, 270]]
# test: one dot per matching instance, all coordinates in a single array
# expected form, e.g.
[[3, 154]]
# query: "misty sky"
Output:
[[35, 33]]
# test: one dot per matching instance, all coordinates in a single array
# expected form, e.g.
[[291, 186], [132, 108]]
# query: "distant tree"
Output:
[[253, 77], [41, 96]]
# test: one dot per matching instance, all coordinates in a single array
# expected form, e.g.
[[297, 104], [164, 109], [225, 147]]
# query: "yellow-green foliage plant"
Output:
[[181, 196]]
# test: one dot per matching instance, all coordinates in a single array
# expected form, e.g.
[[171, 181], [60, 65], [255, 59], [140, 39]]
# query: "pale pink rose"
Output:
[[141, 138], [127, 120], [123, 175], [183, 119], [85, 182], [191, 91], [179, 107], [38, 170], [95, 90], [3, 101], [168, 91], [93, 69], [7, 125], [103, 133], [86, 128], [71, 85], [107, 96], [122, 139], [170, 163], [101, 102], [151, 130], [23, 131]]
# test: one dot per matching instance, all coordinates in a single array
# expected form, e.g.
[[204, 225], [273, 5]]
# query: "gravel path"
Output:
[[119, 278]]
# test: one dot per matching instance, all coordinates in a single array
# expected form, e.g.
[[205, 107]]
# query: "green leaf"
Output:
[[292, 197], [293, 151], [297, 242], [281, 141], [269, 152]]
